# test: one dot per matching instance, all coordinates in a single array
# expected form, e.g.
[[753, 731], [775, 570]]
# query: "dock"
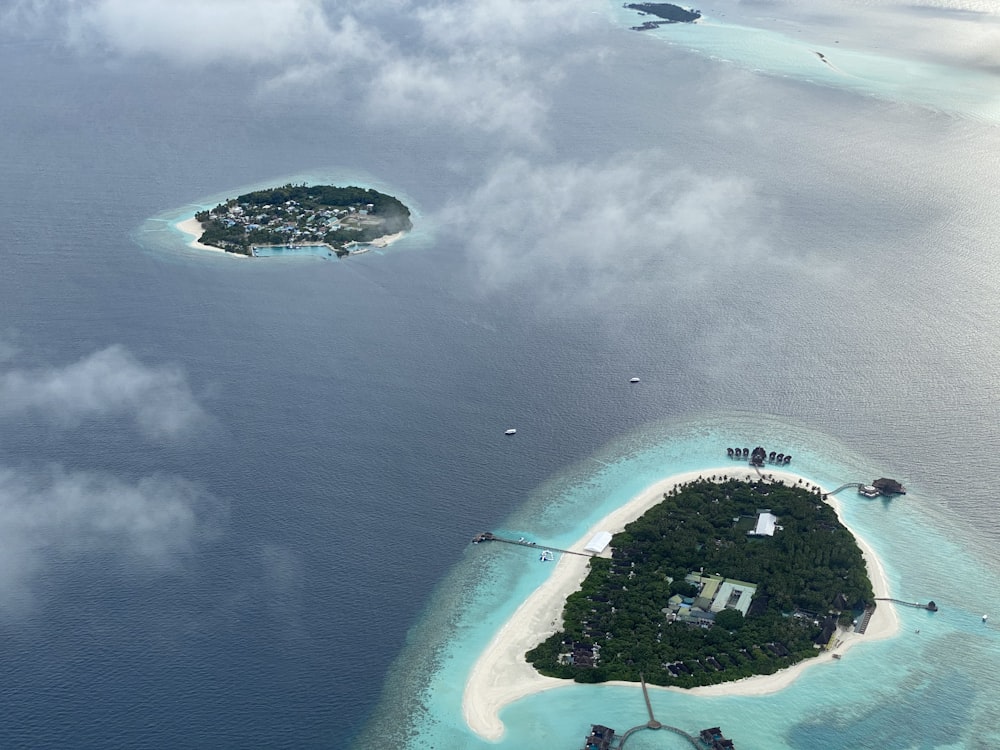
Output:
[[489, 536], [930, 606]]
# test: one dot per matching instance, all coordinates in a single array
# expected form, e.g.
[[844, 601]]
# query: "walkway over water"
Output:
[[488, 536], [654, 724], [930, 606], [845, 486]]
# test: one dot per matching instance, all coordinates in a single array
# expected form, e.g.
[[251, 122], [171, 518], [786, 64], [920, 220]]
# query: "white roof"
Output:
[[598, 542], [765, 524]]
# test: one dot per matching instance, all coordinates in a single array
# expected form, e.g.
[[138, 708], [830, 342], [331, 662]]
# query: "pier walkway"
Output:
[[930, 606], [488, 536], [845, 486]]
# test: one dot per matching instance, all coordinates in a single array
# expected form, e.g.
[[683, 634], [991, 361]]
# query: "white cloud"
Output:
[[582, 232], [57, 516], [108, 383], [479, 65], [461, 90], [502, 23], [197, 32]]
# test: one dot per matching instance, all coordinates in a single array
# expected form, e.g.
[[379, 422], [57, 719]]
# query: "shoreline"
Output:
[[501, 675], [192, 227]]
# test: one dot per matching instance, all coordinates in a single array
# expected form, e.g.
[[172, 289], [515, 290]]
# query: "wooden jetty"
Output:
[[930, 606], [489, 536]]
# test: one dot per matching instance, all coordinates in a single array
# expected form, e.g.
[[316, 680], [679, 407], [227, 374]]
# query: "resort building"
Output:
[[717, 593], [766, 524]]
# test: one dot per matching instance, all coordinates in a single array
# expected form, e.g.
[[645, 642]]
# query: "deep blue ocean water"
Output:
[[313, 585]]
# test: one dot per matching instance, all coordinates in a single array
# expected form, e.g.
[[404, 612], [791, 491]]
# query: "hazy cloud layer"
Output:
[[582, 232], [462, 62], [54, 516], [108, 383]]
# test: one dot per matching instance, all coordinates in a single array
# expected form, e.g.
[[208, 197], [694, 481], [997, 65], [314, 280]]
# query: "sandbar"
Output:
[[501, 675]]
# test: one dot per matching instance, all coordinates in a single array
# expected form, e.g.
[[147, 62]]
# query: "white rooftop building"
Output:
[[598, 542], [765, 524]]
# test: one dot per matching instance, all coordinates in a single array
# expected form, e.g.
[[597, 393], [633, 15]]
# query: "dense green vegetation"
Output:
[[809, 573], [666, 11], [303, 214]]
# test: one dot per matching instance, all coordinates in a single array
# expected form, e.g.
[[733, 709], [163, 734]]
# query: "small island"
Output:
[[343, 220], [720, 581], [667, 12]]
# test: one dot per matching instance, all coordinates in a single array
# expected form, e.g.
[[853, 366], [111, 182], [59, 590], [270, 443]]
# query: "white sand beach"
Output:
[[193, 227], [501, 675], [387, 239]]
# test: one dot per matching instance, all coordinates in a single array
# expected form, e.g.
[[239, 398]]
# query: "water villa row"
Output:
[[759, 456]]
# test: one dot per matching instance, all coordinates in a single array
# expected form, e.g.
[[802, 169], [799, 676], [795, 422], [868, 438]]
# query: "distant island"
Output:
[[665, 11], [721, 580], [342, 219]]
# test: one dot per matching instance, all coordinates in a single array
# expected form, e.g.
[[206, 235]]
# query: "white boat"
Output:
[[985, 618], [511, 431], [634, 380], [546, 556]]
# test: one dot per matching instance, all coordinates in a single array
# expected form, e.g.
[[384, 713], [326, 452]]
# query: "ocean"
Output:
[[236, 497]]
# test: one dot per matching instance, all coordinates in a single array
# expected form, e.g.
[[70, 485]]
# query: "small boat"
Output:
[[634, 380], [546, 556], [985, 618], [511, 431]]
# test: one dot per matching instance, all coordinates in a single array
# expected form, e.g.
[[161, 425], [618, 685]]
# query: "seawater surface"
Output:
[[781, 262]]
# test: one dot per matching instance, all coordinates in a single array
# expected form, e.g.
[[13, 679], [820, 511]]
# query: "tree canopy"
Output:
[[808, 574]]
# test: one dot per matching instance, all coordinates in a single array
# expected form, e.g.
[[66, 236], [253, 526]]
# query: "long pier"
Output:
[[489, 536], [930, 606]]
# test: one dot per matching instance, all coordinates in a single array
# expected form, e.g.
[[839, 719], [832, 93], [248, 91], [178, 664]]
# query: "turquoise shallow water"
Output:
[[812, 55], [932, 689]]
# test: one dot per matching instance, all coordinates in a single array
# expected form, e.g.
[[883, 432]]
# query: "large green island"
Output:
[[721, 580], [340, 218]]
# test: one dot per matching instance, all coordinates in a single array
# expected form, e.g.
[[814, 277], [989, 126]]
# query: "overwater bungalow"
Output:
[[600, 738], [713, 739], [889, 487]]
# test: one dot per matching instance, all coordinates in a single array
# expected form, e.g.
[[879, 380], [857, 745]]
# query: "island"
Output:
[[719, 581], [501, 674], [344, 220], [667, 12]]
